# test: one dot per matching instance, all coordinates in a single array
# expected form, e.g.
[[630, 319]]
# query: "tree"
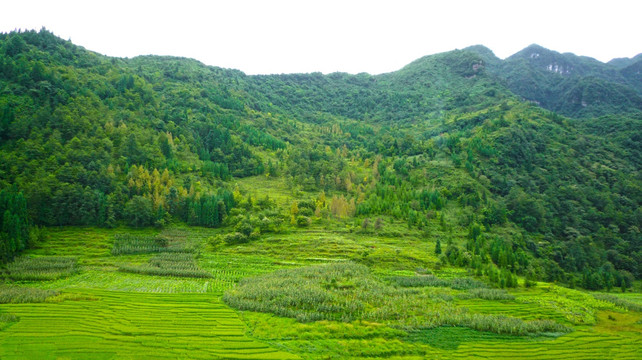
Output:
[[438, 247], [139, 211]]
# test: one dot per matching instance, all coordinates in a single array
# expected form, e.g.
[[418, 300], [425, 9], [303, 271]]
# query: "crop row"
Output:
[[178, 264], [26, 268]]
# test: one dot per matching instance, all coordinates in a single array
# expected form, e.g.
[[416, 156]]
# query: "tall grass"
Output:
[[623, 303], [309, 293], [7, 319], [499, 324], [487, 294], [22, 294], [126, 244], [130, 244], [174, 264], [347, 291], [26, 268], [431, 280]]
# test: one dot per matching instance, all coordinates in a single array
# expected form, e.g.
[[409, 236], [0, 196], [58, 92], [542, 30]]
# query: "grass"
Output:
[[27, 268]]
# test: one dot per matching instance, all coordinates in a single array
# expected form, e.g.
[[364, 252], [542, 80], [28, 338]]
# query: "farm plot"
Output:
[[122, 325]]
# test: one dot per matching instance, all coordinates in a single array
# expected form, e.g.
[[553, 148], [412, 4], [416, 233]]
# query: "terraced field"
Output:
[[124, 325], [98, 311]]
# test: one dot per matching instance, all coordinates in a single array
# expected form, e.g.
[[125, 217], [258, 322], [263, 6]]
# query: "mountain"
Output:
[[446, 144], [572, 85], [621, 63]]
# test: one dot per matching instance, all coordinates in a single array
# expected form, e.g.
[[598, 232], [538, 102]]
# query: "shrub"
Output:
[[244, 227], [235, 238], [305, 212], [303, 221]]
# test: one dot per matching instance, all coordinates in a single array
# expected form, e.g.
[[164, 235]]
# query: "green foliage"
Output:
[[303, 221], [569, 84], [14, 223], [442, 145]]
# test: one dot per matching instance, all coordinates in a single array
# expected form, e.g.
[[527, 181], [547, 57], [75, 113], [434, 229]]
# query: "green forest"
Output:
[[460, 178]]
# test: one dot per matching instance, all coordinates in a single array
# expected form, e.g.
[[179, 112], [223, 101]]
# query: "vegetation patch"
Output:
[[431, 280], [27, 268], [487, 294], [450, 337], [348, 292], [11, 294], [623, 303], [7, 320], [174, 264], [131, 244]]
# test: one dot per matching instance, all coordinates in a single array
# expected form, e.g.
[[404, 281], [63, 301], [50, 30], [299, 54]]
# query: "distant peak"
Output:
[[533, 51], [482, 51]]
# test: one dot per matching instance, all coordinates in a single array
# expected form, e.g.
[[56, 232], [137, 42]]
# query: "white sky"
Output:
[[285, 36]]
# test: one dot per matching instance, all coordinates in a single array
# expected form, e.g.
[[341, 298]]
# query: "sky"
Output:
[[286, 36]]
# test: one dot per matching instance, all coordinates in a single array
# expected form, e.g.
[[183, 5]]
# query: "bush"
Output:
[[235, 238], [305, 212], [244, 227], [303, 221], [216, 242]]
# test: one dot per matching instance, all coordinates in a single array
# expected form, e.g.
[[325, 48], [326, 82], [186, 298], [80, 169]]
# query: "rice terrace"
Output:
[[463, 206], [102, 301]]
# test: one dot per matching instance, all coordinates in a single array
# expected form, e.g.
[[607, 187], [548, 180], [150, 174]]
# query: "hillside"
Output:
[[446, 167]]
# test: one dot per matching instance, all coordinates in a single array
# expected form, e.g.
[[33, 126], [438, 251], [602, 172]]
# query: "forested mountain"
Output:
[[446, 144], [571, 85]]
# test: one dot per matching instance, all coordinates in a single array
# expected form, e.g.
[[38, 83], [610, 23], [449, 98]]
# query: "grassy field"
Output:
[[87, 293]]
